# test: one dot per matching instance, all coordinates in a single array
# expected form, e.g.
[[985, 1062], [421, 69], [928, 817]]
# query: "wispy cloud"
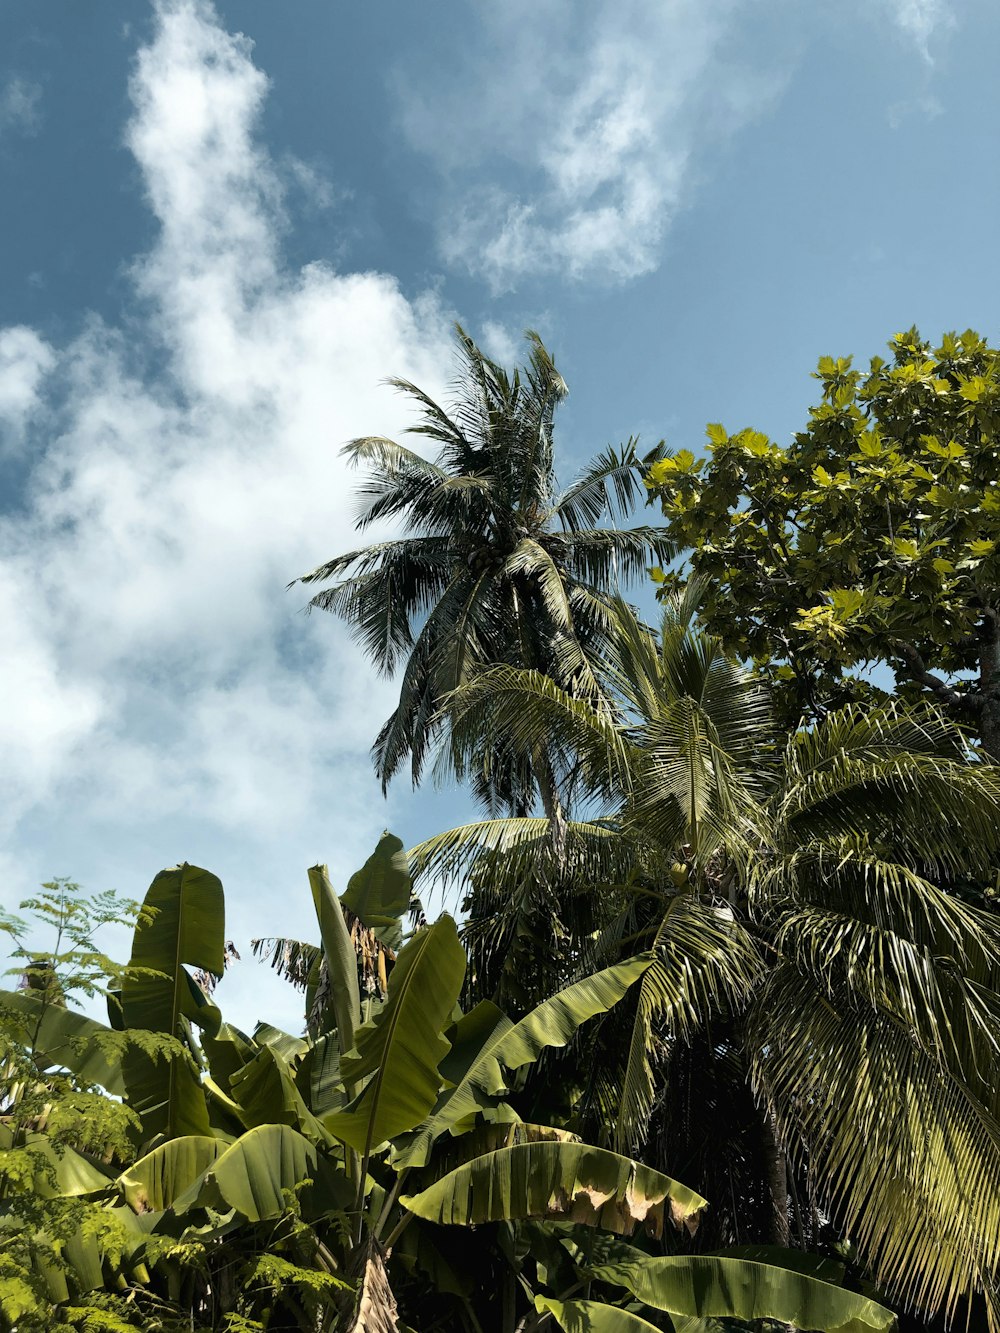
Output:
[[163, 700], [921, 21], [20, 106], [566, 136]]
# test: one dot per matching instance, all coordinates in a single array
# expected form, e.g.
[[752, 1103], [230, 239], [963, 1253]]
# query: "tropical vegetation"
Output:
[[375, 1174], [712, 1039], [809, 955]]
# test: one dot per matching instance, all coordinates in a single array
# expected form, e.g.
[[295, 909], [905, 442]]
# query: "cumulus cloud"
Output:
[[162, 699], [25, 358], [20, 106], [595, 109]]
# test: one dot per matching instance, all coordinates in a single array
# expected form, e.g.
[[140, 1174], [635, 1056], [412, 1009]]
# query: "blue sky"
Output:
[[221, 226]]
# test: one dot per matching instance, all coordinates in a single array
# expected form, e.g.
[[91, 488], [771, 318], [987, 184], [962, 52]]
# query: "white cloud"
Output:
[[25, 359], [20, 100], [162, 698], [501, 343], [921, 20], [596, 109]]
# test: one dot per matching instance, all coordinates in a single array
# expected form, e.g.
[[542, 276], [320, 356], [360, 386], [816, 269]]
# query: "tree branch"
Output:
[[916, 669]]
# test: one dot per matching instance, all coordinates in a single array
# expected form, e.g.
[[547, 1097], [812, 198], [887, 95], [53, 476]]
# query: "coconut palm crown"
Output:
[[817, 1042], [495, 566]]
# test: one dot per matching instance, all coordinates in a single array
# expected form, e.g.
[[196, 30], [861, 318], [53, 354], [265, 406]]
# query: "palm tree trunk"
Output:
[[551, 804], [776, 1175]]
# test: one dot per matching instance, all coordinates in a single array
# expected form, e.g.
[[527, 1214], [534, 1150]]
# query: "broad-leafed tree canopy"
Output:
[[874, 537]]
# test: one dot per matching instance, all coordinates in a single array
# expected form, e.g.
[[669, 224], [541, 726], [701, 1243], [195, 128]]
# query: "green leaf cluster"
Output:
[[873, 537]]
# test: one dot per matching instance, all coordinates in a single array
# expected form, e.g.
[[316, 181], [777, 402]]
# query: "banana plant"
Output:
[[380, 1162]]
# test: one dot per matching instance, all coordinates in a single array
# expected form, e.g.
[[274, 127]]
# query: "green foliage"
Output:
[[874, 537], [276, 1218], [397, 1053], [184, 910], [716, 1286], [812, 968]]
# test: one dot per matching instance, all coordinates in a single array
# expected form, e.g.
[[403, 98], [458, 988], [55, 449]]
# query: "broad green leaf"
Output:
[[283, 1043], [63, 1172], [265, 1093], [798, 1261], [574, 1182], [512, 1045], [467, 1036], [156, 1181], [593, 1317], [255, 1175], [67, 1040], [338, 951], [227, 1052], [704, 1286], [379, 893], [318, 1076], [83, 1254], [399, 1051], [158, 994]]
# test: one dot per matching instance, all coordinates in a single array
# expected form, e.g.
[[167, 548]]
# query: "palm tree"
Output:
[[816, 1047], [496, 564]]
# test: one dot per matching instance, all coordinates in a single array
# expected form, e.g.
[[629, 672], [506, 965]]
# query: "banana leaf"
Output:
[[265, 1093], [318, 1076], [61, 1172], [379, 893], [67, 1040], [799, 1261], [159, 995], [256, 1175], [511, 1045], [704, 1286], [338, 951], [399, 1051], [227, 1052], [288, 1047], [157, 1180], [593, 1317], [573, 1182]]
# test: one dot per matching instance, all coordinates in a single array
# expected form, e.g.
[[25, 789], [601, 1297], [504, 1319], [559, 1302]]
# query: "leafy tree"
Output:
[[873, 538], [794, 891], [497, 564], [61, 1137]]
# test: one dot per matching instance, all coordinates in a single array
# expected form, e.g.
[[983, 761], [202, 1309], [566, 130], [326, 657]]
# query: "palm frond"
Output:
[[612, 483], [706, 964], [293, 960], [595, 853], [609, 557], [900, 1152], [515, 707]]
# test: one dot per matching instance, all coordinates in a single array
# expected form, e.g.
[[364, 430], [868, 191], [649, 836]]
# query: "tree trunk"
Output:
[[989, 685], [777, 1181], [551, 804]]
